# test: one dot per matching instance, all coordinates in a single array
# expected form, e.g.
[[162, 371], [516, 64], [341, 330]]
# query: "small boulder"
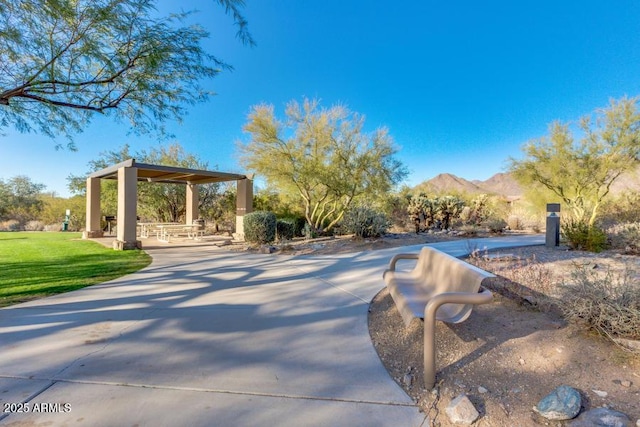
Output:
[[563, 403], [601, 417], [601, 393], [267, 249], [462, 411]]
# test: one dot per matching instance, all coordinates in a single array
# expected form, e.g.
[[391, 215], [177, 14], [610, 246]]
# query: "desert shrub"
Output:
[[260, 227], [607, 303], [34, 226], [468, 230], [365, 222], [449, 209], [496, 225], [625, 237], [53, 227], [514, 222], [478, 210], [581, 236], [285, 229], [395, 207], [623, 208], [10, 225]]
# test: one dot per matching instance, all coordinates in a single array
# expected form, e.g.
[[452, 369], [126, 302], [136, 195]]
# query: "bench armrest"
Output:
[[394, 260]]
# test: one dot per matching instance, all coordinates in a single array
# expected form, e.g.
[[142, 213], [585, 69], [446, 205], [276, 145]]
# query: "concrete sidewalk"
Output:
[[207, 337]]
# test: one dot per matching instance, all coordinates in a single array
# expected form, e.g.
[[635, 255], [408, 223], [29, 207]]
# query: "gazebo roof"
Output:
[[167, 174]]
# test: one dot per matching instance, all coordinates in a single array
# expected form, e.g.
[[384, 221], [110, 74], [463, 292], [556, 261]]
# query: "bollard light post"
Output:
[[552, 238]]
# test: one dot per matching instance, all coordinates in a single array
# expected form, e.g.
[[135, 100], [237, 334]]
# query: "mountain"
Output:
[[448, 183], [501, 184]]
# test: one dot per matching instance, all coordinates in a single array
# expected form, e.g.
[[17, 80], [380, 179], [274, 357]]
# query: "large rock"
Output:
[[462, 411], [601, 417], [563, 403]]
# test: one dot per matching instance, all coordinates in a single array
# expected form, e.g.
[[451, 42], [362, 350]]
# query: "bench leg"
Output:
[[483, 297], [430, 351]]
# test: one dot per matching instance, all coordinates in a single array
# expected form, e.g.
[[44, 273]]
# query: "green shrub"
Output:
[[606, 302], [260, 227], [298, 224], [580, 236], [285, 229], [625, 237], [365, 222]]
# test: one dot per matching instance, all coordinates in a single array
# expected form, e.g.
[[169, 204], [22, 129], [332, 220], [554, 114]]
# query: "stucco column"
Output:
[[92, 228], [244, 204], [127, 211], [193, 199]]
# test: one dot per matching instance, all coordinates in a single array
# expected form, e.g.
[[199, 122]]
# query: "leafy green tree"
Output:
[[19, 199], [581, 172], [62, 61], [321, 155], [54, 209]]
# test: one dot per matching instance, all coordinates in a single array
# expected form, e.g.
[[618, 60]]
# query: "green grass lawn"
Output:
[[37, 264]]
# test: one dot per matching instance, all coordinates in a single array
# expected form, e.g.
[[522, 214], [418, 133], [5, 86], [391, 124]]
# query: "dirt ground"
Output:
[[510, 354]]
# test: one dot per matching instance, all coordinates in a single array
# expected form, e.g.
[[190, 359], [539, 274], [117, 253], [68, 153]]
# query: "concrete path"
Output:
[[204, 337]]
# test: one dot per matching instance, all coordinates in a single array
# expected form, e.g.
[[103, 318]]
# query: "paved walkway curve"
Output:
[[204, 337]]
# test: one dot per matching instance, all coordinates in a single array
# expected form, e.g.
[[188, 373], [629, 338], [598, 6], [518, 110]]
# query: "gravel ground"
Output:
[[510, 354]]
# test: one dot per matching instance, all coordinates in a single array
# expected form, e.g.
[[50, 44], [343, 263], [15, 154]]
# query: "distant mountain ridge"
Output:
[[502, 184]]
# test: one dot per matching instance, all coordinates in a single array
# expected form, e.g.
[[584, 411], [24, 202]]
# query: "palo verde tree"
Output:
[[62, 61], [321, 155], [581, 172]]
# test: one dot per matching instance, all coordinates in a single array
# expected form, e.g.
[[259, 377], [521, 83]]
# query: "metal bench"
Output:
[[440, 287]]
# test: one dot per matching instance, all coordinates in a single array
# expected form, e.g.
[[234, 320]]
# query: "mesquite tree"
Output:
[[62, 61]]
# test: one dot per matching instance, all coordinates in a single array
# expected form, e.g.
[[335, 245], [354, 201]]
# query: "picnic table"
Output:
[[147, 227]]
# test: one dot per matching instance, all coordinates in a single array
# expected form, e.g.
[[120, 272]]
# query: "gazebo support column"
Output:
[[244, 204], [127, 211], [192, 203], [93, 228]]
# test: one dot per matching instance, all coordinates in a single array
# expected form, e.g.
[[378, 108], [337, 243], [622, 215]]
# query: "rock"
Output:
[[600, 393], [267, 249], [638, 423], [407, 380], [625, 383], [482, 390], [601, 417], [462, 411], [563, 403], [521, 361]]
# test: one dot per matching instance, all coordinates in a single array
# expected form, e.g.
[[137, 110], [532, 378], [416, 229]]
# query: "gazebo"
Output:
[[129, 172]]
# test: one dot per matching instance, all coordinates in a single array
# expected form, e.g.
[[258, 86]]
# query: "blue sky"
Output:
[[461, 85]]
